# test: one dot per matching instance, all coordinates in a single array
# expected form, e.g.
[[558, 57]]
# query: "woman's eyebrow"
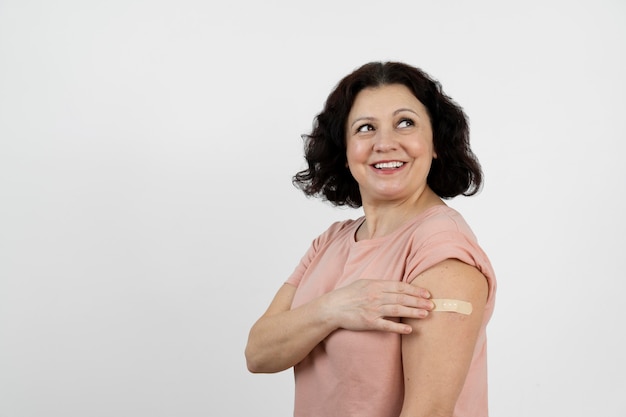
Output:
[[406, 109], [368, 118], [361, 118]]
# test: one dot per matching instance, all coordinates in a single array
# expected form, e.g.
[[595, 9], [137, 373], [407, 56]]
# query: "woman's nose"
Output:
[[384, 141]]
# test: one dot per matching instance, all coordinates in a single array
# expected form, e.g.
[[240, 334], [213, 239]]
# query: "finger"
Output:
[[401, 311], [409, 301], [405, 288], [390, 326]]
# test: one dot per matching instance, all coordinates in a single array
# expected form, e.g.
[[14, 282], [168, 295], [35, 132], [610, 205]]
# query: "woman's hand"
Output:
[[283, 336], [369, 304]]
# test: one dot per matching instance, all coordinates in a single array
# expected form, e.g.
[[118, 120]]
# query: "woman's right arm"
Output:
[[282, 337]]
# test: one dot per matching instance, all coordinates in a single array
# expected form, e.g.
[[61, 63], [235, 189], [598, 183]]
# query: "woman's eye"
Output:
[[406, 123], [365, 128]]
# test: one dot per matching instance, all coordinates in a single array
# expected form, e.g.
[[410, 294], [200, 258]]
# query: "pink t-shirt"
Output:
[[360, 373]]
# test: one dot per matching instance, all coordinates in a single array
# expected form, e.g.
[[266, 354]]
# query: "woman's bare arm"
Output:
[[437, 354], [283, 337]]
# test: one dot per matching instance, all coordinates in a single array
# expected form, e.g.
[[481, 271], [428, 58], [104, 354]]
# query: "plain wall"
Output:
[[147, 215]]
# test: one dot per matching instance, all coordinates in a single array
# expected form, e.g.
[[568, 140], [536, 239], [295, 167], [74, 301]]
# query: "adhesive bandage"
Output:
[[448, 304]]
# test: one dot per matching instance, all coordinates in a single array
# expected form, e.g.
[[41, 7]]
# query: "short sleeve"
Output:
[[454, 241], [446, 245], [298, 273], [314, 248]]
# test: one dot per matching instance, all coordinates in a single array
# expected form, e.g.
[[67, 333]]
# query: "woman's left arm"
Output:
[[436, 356]]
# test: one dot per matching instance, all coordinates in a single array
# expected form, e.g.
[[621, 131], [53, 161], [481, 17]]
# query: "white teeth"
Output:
[[394, 164]]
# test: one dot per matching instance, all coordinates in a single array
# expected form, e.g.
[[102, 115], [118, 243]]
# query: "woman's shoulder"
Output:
[[340, 228], [345, 224], [442, 219]]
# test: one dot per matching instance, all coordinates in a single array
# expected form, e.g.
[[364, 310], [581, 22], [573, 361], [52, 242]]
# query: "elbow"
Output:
[[259, 367], [258, 363], [252, 363], [255, 363], [253, 366]]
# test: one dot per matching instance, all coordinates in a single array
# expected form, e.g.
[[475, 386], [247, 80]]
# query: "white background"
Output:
[[147, 214]]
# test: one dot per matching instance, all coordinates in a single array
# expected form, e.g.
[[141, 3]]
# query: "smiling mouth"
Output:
[[388, 165]]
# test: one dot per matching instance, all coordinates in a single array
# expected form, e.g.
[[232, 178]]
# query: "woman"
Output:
[[357, 318]]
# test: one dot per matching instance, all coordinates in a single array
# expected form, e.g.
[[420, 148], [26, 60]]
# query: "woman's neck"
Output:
[[382, 219]]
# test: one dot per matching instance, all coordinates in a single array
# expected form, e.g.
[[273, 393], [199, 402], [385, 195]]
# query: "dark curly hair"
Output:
[[455, 171]]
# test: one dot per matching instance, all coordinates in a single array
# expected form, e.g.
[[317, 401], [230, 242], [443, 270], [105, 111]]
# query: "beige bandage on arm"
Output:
[[448, 304]]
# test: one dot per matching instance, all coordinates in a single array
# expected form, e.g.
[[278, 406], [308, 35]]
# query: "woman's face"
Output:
[[389, 143]]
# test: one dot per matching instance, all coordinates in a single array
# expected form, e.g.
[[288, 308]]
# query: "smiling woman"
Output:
[[355, 319], [389, 143]]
